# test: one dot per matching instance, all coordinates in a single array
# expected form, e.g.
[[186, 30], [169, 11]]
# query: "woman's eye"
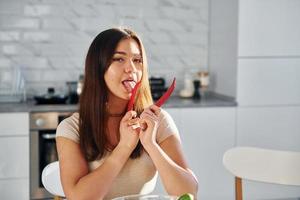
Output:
[[118, 59], [137, 60]]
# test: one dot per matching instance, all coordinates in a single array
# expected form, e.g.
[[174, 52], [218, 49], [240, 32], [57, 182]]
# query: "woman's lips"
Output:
[[129, 85]]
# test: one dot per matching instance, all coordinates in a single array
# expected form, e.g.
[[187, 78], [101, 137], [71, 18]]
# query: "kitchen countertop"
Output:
[[209, 99]]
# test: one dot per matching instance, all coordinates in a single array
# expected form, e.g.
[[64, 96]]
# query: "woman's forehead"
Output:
[[128, 46]]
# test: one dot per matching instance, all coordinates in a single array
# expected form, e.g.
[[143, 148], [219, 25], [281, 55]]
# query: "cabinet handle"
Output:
[[48, 136]]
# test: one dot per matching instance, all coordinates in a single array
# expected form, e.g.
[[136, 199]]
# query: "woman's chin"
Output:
[[125, 96]]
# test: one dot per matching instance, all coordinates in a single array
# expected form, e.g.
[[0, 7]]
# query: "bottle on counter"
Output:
[[203, 76], [197, 95], [80, 84], [188, 89]]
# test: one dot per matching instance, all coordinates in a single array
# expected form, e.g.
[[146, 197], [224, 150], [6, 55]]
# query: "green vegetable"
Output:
[[186, 196]]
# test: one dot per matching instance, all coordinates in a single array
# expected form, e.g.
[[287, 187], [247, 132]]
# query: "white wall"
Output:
[[223, 46], [49, 39]]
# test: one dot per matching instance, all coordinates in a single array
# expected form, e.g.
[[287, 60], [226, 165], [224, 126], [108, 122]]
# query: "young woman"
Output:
[[102, 154]]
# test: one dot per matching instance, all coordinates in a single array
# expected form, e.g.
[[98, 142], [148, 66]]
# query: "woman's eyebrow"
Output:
[[120, 52], [124, 53]]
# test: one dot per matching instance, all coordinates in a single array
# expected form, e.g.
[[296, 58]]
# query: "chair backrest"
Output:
[[263, 165], [51, 179]]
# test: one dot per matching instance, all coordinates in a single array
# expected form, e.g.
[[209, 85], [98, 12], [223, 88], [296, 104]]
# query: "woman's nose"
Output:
[[130, 67]]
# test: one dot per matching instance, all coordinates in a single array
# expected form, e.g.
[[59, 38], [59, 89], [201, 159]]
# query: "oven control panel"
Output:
[[47, 120]]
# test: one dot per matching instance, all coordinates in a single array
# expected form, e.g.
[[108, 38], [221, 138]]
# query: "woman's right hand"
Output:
[[129, 136]]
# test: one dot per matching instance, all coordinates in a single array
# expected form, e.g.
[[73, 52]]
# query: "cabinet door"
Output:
[[12, 124], [14, 156], [206, 134], [269, 127], [269, 28], [268, 82], [14, 189]]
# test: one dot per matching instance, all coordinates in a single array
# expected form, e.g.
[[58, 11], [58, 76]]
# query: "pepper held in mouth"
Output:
[[132, 98]]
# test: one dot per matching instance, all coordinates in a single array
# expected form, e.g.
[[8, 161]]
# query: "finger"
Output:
[[143, 124], [136, 126], [133, 121], [155, 109], [129, 115], [150, 115]]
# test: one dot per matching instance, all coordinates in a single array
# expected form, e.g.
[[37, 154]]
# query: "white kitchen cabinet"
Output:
[[14, 124], [206, 133], [268, 82], [269, 127], [14, 189], [269, 28], [14, 156], [274, 128]]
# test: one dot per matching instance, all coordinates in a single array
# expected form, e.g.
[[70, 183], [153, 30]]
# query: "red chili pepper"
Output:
[[132, 98], [166, 95]]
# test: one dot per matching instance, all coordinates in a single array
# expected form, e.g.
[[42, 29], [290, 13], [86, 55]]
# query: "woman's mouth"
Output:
[[129, 85]]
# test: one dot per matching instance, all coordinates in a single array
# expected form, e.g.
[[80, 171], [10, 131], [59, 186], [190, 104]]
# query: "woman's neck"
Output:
[[116, 106]]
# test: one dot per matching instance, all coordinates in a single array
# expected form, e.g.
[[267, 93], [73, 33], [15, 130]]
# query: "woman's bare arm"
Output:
[[77, 182], [168, 158]]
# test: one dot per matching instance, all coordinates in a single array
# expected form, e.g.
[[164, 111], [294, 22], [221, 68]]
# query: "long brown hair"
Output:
[[93, 115]]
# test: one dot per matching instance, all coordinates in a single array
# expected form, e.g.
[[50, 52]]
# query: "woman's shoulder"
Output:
[[166, 126], [69, 128], [72, 120], [165, 116]]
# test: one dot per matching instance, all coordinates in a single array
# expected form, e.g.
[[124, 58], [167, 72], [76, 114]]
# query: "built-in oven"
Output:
[[42, 148]]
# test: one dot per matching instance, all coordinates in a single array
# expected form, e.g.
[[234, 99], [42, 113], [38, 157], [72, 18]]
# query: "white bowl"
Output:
[[146, 197]]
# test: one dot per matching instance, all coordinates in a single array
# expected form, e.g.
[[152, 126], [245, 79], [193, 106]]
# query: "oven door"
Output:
[[42, 152]]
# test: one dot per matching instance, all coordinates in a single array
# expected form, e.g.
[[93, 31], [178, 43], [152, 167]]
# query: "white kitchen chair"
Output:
[[51, 180], [263, 165]]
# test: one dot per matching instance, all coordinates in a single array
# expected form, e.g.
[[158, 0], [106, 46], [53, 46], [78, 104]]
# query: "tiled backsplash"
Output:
[[48, 39]]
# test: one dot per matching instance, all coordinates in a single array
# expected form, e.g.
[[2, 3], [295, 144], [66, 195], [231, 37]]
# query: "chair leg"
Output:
[[238, 189], [57, 198]]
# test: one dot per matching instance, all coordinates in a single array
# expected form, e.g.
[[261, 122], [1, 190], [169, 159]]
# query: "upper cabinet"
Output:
[[265, 82], [268, 53], [269, 28]]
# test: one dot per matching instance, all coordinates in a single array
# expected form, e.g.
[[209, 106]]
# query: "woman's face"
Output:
[[125, 69]]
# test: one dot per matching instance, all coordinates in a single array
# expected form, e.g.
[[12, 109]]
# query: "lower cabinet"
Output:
[[14, 189], [274, 128], [206, 133], [14, 156]]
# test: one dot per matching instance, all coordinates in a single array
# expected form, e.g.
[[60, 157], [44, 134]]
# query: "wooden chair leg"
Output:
[[57, 198], [238, 189]]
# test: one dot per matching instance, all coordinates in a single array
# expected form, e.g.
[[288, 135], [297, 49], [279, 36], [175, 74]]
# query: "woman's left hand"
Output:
[[149, 122]]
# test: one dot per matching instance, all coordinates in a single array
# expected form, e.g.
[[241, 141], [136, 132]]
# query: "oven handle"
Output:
[[48, 136]]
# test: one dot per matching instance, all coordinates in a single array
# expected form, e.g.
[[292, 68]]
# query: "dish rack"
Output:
[[12, 85]]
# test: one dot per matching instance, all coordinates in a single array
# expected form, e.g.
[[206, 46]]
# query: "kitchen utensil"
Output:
[[12, 85], [50, 98], [196, 95], [157, 85], [73, 92]]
